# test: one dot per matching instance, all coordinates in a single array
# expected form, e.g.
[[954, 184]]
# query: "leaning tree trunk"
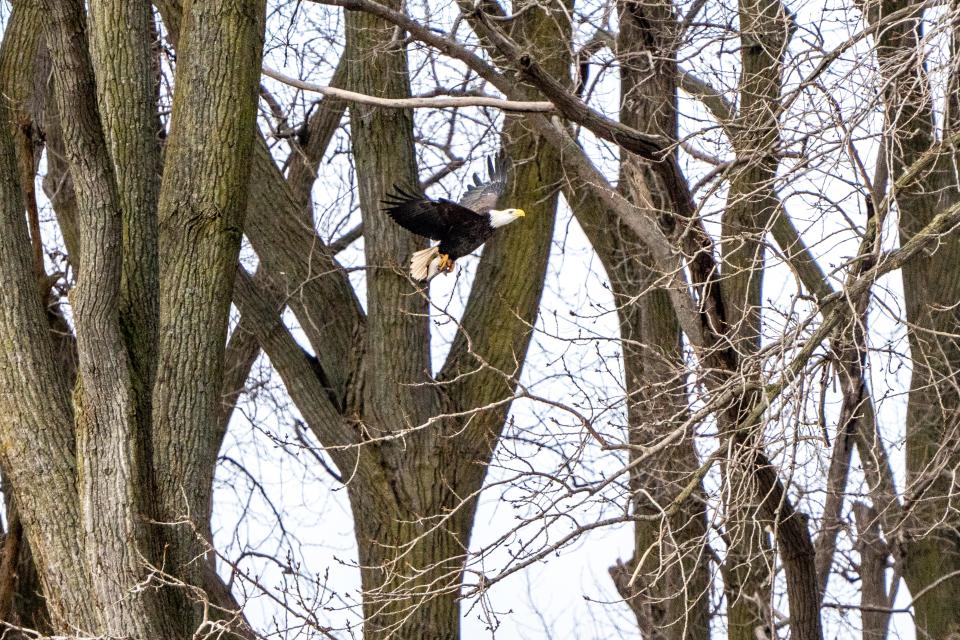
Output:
[[924, 179], [751, 205], [669, 593]]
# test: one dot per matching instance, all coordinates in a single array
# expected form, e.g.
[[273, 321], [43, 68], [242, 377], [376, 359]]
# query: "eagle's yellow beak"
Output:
[[519, 213]]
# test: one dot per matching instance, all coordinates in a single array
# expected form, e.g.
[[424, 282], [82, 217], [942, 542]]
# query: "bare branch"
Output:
[[436, 102]]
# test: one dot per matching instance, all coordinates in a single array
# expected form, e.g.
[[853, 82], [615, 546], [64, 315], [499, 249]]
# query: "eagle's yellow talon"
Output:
[[445, 264]]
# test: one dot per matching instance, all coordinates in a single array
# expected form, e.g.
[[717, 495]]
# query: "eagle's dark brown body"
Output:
[[459, 230]]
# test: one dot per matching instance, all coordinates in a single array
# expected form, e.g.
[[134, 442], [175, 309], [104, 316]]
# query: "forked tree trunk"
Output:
[[413, 504], [669, 593]]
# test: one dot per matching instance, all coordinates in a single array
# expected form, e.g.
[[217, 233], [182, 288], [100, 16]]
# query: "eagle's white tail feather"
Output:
[[425, 263]]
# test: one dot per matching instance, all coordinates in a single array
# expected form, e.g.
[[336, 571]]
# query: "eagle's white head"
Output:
[[500, 217]]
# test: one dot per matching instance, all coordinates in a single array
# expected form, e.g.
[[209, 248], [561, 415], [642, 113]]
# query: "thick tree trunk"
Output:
[[122, 46], [411, 560], [414, 504], [203, 200], [395, 400], [94, 569], [45, 492]]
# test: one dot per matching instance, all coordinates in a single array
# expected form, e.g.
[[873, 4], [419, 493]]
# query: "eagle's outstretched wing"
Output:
[[483, 196], [434, 219]]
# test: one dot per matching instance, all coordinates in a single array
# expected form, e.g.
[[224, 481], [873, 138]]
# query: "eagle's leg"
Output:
[[445, 264]]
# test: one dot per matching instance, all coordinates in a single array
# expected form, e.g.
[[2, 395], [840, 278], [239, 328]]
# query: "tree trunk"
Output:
[[202, 203], [670, 596], [931, 285], [411, 560], [414, 504]]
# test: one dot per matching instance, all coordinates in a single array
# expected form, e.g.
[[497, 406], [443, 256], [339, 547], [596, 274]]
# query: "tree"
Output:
[[709, 199], [86, 443]]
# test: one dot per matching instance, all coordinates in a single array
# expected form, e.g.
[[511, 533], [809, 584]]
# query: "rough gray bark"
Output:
[[371, 378], [108, 436], [423, 471], [335, 391], [873, 572], [122, 50], [27, 383], [751, 205], [203, 199], [81, 505]]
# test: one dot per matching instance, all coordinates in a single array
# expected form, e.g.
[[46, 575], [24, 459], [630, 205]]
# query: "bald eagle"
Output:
[[460, 228]]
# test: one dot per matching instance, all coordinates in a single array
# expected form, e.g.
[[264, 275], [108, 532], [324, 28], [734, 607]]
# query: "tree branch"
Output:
[[242, 351], [313, 396], [316, 286], [312, 142], [347, 239], [490, 347], [721, 108], [438, 102]]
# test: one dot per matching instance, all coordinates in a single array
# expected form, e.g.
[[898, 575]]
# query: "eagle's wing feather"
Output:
[[434, 219], [483, 196]]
